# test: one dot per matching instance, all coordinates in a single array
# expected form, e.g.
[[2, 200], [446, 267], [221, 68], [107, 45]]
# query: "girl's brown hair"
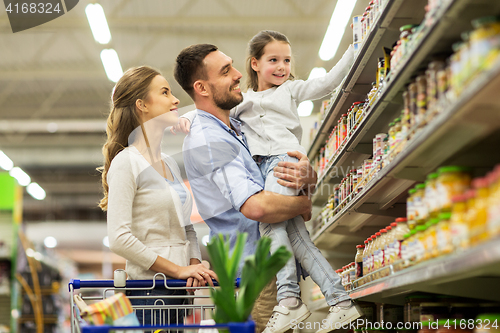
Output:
[[123, 118], [256, 49]]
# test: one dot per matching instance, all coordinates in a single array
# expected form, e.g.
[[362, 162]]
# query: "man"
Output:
[[227, 184]]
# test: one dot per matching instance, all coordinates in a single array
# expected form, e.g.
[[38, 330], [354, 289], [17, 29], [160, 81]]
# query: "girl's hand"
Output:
[[197, 275], [184, 125]]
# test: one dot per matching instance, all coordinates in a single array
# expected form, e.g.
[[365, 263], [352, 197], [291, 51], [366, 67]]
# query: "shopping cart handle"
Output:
[[77, 283]]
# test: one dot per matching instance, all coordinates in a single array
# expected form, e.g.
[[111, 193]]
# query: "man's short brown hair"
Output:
[[189, 66]]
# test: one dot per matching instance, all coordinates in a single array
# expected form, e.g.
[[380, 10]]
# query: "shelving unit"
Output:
[[458, 135], [466, 132], [450, 22]]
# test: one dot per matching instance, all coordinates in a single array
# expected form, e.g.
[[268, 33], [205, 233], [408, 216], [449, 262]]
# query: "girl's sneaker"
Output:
[[340, 317], [284, 317]]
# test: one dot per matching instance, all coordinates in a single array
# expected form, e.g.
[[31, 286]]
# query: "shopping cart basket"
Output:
[[192, 312]]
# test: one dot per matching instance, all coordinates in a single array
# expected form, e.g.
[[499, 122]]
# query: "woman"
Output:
[[148, 205]]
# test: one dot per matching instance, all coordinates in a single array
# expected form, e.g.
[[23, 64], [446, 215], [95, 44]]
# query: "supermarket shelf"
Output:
[[436, 39], [459, 135], [473, 273], [358, 81]]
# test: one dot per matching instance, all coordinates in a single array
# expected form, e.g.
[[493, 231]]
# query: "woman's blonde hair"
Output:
[[256, 49], [123, 118]]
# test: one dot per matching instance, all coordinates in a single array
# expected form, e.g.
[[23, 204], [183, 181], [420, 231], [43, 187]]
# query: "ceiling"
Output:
[[54, 93]]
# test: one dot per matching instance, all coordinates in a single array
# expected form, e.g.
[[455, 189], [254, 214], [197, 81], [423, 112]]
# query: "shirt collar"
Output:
[[234, 122]]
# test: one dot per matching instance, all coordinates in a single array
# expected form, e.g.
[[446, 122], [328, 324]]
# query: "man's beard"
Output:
[[225, 101]]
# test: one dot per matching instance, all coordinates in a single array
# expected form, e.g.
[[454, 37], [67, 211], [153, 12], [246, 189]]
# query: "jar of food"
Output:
[[398, 136], [431, 195], [494, 210], [405, 251], [413, 93], [484, 42], [343, 128], [410, 208], [442, 84], [451, 181], [420, 246], [368, 19], [359, 178], [478, 231], [392, 137], [380, 72], [432, 87], [465, 58], [363, 26], [459, 228], [443, 234], [431, 239], [421, 213], [405, 32], [421, 99]]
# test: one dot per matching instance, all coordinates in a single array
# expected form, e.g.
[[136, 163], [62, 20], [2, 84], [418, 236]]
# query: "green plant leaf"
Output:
[[258, 270]]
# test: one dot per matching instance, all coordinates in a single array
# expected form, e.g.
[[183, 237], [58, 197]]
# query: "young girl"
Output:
[[272, 128]]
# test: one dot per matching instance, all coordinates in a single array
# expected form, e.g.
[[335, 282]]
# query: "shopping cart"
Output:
[[193, 313]]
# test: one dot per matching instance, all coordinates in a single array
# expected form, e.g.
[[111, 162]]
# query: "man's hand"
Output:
[[299, 175]]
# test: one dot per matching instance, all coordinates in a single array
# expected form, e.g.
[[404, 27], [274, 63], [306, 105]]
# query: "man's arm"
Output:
[[269, 207], [299, 175]]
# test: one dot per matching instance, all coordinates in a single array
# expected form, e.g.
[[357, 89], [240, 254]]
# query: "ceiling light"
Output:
[[317, 72], [305, 108], [22, 177], [340, 17], [50, 242], [111, 64], [5, 162], [36, 191], [105, 241], [98, 23]]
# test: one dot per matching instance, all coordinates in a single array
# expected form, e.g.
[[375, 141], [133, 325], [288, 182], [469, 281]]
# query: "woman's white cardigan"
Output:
[[146, 218]]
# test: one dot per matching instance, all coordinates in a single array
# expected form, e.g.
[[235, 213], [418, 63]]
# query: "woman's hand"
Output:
[[299, 175], [184, 125], [196, 275]]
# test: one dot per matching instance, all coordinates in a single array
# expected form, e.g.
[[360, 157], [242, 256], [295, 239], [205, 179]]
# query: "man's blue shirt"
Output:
[[223, 175]]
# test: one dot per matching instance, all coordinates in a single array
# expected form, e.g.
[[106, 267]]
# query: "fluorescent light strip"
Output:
[[317, 72], [340, 17], [22, 177], [98, 23], [36, 191], [5, 162], [111, 64]]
